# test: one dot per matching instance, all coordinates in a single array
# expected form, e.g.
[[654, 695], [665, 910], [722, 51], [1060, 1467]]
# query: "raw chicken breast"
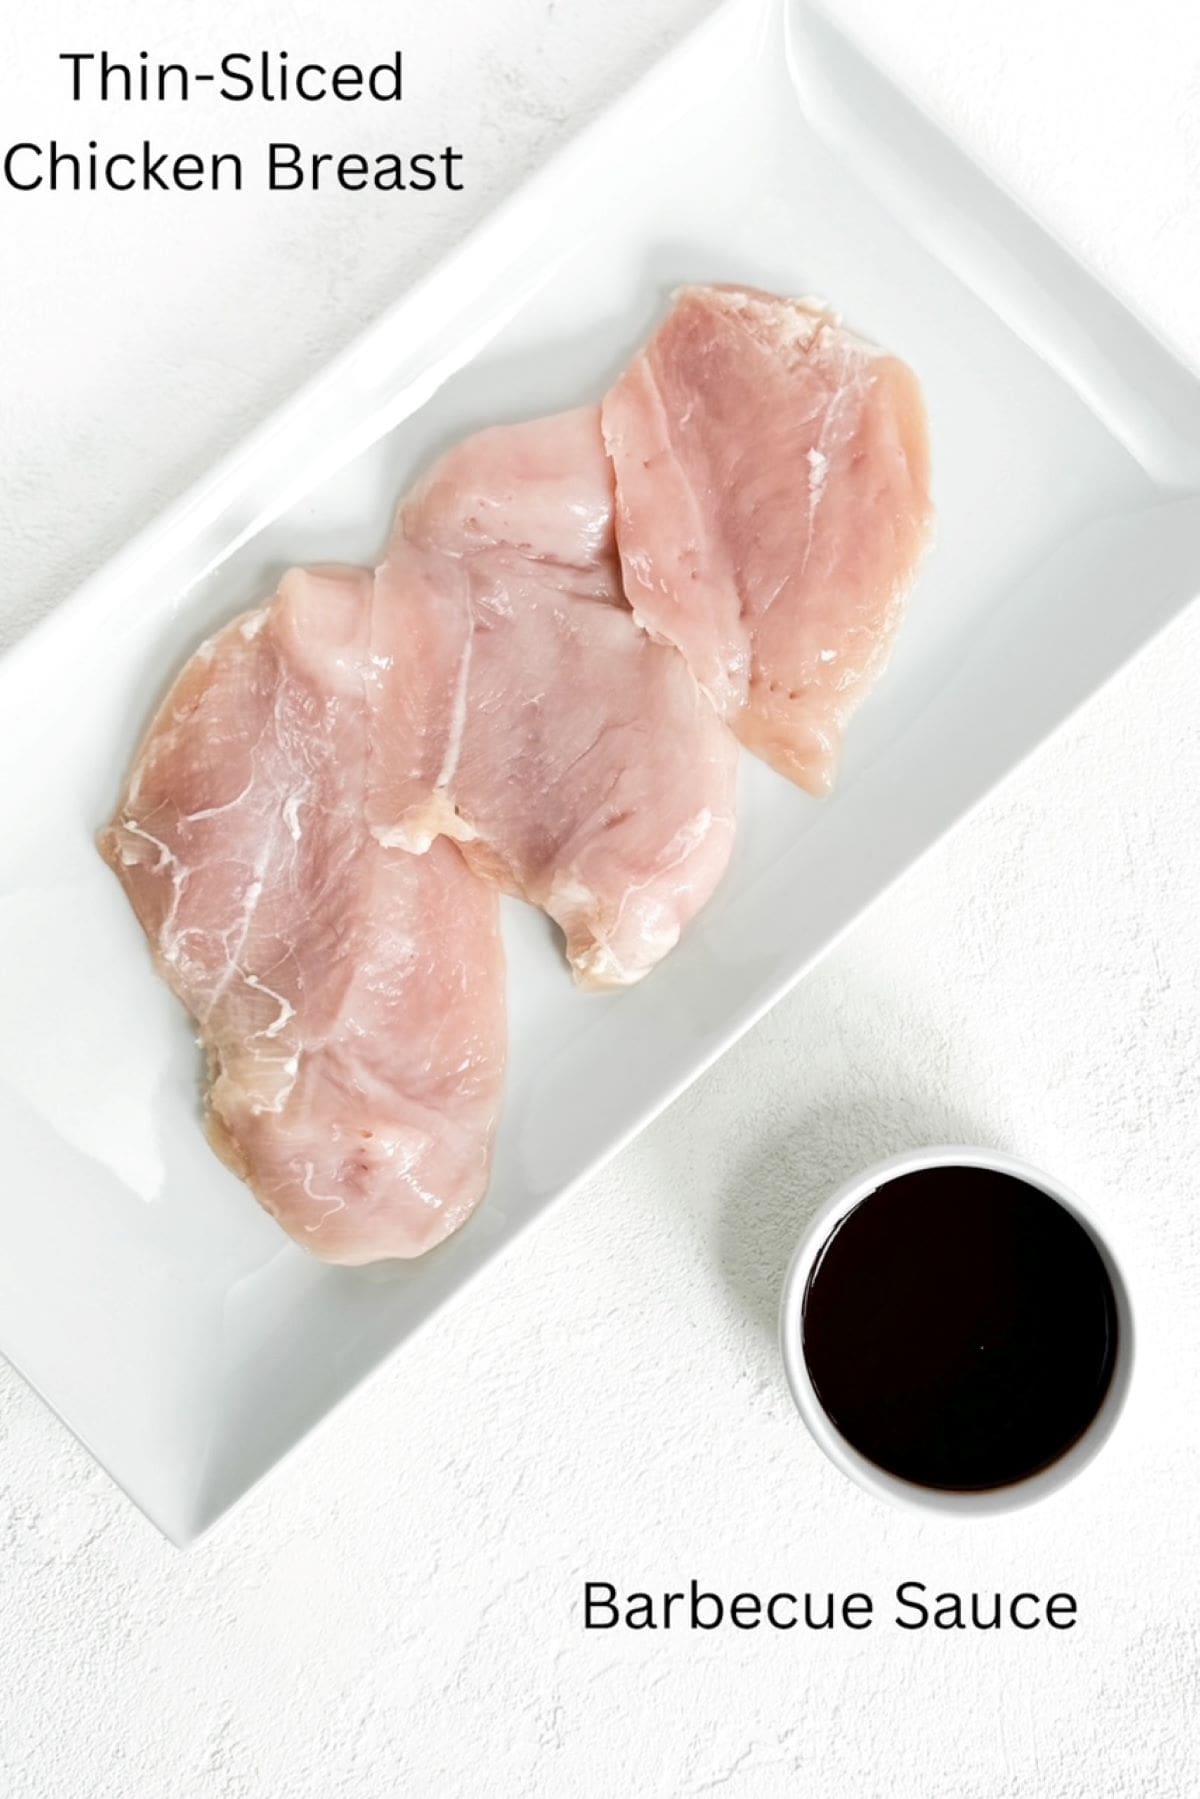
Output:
[[773, 504], [574, 758], [350, 997]]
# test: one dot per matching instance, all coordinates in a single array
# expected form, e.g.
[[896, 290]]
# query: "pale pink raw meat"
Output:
[[772, 477], [573, 757], [350, 997]]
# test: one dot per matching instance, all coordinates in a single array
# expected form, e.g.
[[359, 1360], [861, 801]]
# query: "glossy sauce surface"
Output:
[[960, 1328]]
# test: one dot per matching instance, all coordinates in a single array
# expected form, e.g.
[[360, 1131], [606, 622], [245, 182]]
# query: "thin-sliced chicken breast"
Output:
[[772, 475], [573, 757], [349, 996]]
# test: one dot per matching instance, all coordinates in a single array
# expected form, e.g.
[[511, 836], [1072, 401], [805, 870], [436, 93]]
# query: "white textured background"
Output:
[[398, 1611]]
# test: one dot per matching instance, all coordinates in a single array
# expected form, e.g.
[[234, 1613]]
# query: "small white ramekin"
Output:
[[842, 1453]]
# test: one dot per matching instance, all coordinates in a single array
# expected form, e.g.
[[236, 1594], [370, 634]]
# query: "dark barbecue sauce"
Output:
[[960, 1328]]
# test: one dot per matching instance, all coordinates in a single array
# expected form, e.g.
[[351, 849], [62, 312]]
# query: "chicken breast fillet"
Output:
[[772, 479], [350, 996], [574, 758]]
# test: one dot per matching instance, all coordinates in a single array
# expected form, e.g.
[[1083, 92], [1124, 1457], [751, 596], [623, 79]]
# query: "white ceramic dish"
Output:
[[842, 1453], [141, 1290]]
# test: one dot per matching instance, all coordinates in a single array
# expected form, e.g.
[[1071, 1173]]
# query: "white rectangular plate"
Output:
[[141, 1290]]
